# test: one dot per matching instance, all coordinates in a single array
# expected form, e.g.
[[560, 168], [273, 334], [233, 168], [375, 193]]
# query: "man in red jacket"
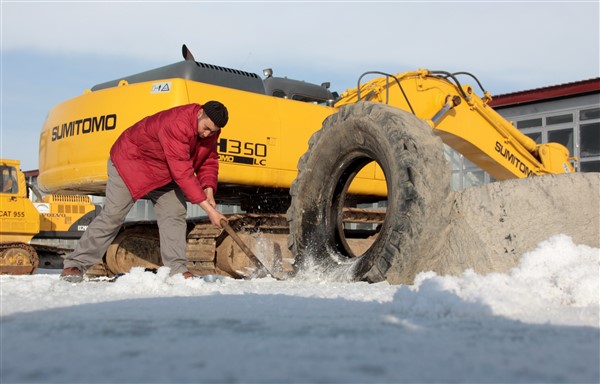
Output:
[[166, 157]]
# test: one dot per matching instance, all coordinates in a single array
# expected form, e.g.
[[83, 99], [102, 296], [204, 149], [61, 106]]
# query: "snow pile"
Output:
[[537, 323], [558, 283]]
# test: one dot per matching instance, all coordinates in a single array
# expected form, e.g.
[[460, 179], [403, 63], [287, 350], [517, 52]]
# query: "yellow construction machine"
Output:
[[319, 176], [25, 224]]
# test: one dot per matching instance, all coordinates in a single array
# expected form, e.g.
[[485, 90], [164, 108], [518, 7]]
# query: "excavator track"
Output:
[[18, 259], [211, 250]]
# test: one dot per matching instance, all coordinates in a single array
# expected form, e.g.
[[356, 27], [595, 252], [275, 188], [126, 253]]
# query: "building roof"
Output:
[[576, 88], [32, 173]]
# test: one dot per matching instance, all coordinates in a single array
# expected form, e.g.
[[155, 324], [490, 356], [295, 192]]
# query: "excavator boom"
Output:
[[465, 122]]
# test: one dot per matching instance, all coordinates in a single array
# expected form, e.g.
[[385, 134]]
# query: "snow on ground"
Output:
[[537, 323]]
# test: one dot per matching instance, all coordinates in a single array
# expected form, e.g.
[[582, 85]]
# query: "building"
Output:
[[568, 114]]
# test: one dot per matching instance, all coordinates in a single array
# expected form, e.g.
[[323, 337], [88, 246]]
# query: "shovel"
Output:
[[249, 253]]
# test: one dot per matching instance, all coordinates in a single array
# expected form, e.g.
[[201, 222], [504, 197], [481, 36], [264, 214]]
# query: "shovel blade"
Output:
[[271, 256]]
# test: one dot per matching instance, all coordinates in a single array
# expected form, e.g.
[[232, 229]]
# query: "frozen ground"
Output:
[[537, 323]]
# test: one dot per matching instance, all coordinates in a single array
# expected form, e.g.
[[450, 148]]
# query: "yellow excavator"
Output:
[[25, 224], [321, 177]]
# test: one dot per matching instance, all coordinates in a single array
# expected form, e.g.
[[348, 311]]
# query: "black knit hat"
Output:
[[217, 112]]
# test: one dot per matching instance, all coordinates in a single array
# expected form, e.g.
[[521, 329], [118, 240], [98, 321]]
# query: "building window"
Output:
[[590, 147], [590, 139], [590, 166], [529, 123], [560, 119], [535, 136], [589, 114], [589, 134], [562, 136]]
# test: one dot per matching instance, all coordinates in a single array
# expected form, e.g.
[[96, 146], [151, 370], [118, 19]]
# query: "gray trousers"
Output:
[[169, 206]]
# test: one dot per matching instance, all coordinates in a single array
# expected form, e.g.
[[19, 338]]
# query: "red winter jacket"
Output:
[[165, 147]]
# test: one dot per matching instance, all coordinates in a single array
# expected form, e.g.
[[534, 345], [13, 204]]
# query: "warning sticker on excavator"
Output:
[[164, 87]]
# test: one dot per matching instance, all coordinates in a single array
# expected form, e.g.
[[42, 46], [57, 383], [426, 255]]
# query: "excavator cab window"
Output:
[[9, 179]]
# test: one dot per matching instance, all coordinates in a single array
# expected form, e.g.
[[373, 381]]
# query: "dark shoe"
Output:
[[72, 275]]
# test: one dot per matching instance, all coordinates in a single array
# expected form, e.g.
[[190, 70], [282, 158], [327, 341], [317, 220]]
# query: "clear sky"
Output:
[[53, 51]]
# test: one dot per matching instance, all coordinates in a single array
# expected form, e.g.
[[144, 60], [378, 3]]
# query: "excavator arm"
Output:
[[464, 121]]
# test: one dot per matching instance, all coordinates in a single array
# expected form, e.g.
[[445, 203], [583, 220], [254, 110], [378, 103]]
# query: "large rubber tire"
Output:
[[418, 181]]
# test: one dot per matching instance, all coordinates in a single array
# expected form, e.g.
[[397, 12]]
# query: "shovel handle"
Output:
[[239, 241]]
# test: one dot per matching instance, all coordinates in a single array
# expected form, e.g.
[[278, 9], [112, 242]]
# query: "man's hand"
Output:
[[214, 215]]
